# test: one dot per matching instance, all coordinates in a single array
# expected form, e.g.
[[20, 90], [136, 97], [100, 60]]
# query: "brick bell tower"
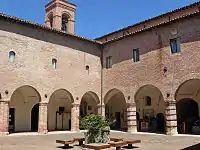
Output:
[[60, 14]]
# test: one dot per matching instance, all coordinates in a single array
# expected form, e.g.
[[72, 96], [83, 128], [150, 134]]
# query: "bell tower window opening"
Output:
[[64, 23], [50, 19], [51, 22]]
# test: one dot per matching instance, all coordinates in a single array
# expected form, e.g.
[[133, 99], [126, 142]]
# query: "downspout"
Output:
[[101, 49]]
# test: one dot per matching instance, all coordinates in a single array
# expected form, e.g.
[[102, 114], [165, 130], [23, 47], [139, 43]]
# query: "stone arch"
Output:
[[50, 19], [66, 14], [187, 98], [112, 92], [59, 110], [23, 99], [192, 83], [115, 109], [149, 102], [183, 79], [88, 104]]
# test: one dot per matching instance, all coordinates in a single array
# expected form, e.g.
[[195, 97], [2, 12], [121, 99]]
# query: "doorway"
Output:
[[187, 114], [11, 119], [118, 120], [160, 118], [34, 118]]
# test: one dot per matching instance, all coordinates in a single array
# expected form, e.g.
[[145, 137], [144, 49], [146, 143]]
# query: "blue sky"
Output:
[[96, 17]]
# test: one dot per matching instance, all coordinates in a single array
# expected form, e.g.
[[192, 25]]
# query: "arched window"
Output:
[[50, 17], [64, 22], [12, 56], [148, 100], [54, 62], [87, 68]]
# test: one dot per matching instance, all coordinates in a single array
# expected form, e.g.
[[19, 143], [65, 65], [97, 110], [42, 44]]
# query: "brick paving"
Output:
[[149, 142]]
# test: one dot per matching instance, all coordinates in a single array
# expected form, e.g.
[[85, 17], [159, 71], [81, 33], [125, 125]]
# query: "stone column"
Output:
[[57, 22], [171, 119], [70, 26], [101, 110], [4, 117], [42, 123], [131, 118], [75, 113]]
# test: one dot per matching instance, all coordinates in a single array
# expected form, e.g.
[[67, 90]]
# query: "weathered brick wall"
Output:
[[155, 52], [35, 49]]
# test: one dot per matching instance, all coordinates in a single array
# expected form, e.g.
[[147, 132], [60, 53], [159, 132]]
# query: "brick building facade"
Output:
[[143, 73]]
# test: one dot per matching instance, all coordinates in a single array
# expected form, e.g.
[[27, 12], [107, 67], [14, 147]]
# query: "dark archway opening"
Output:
[[138, 121], [160, 118], [34, 117], [187, 115]]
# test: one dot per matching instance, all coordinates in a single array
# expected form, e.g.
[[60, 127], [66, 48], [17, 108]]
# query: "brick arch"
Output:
[[60, 102], [187, 77], [146, 85], [66, 14], [111, 93], [66, 91], [27, 86], [93, 95], [23, 99], [50, 15], [182, 84]]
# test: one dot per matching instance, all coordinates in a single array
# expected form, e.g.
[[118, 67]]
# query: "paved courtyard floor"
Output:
[[149, 141]]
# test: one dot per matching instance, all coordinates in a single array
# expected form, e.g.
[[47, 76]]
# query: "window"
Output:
[[12, 56], [87, 68], [175, 45], [109, 62], [148, 100], [54, 62], [136, 55]]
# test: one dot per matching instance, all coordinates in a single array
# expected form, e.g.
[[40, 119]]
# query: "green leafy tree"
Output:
[[97, 128]]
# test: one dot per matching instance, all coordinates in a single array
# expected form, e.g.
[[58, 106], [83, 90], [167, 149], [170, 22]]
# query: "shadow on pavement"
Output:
[[64, 147], [193, 147], [126, 147]]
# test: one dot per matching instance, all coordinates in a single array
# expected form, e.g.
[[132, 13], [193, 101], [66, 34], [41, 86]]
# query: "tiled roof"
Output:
[[146, 29], [146, 21], [44, 27]]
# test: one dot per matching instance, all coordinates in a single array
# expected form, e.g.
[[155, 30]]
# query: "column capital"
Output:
[[43, 103], [170, 103], [75, 105], [99, 105], [131, 104], [4, 101]]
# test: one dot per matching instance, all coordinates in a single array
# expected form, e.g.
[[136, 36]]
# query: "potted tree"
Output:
[[97, 127]]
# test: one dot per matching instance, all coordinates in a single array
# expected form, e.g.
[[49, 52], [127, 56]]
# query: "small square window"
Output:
[[148, 101], [175, 45], [136, 55], [109, 62]]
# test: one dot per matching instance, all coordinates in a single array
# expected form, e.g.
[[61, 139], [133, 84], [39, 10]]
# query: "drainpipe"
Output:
[[101, 48]]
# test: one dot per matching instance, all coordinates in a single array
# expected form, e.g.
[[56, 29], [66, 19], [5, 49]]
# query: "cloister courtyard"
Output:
[[30, 141]]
